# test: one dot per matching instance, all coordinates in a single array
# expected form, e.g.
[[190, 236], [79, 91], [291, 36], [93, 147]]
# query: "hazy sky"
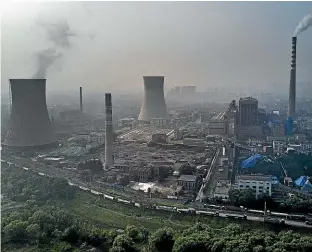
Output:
[[207, 44]]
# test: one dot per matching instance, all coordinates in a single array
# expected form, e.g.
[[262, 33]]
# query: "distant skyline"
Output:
[[239, 45]]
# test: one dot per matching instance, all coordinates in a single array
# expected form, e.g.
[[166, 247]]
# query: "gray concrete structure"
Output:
[[292, 85], [29, 125], [81, 108], [109, 162], [154, 105]]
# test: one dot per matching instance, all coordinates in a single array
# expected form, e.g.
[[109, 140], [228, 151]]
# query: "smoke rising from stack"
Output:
[[58, 34], [304, 24]]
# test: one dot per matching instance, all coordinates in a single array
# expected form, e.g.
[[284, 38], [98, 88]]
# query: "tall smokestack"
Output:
[[292, 86], [81, 108], [108, 131]]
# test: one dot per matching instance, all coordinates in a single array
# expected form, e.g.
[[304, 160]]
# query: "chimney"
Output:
[[292, 86], [108, 132], [81, 108]]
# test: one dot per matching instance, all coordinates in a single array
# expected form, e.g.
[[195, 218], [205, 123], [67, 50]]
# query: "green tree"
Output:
[[62, 247], [15, 231], [33, 232], [124, 243], [161, 240]]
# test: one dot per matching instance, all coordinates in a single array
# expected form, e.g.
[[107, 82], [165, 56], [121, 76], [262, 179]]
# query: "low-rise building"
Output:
[[188, 182], [258, 183], [279, 146], [222, 189]]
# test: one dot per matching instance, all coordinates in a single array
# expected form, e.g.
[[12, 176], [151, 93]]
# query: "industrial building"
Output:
[[30, 125], [258, 183], [188, 182], [217, 125]]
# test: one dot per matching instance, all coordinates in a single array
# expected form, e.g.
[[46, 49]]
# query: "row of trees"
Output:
[[48, 227], [22, 186], [247, 199]]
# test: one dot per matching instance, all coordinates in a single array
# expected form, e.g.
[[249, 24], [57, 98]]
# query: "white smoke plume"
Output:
[[303, 25], [45, 59], [58, 34]]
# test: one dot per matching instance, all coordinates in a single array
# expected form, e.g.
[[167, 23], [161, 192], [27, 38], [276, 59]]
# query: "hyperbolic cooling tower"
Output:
[[29, 124], [154, 105], [292, 85], [108, 131]]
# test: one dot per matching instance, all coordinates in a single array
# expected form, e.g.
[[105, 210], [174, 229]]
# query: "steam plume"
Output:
[[45, 59], [303, 25], [58, 34]]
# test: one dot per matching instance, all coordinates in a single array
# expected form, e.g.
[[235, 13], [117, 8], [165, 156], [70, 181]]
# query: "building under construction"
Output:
[[30, 125]]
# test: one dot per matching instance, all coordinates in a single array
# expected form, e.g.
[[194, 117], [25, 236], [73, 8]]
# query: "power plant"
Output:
[[109, 160], [29, 124], [154, 106]]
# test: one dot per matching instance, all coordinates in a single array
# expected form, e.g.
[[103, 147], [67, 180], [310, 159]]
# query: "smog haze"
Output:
[[111, 45]]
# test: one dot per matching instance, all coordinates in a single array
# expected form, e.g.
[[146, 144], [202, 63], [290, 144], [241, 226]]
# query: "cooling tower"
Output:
[[29, 124], [108, 132], [292, 85], [154, 105]]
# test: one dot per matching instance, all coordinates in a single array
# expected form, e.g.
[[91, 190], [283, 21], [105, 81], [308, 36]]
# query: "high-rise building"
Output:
[[248, 111]]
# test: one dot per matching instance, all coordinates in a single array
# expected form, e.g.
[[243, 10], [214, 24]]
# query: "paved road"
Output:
[[200, 194]]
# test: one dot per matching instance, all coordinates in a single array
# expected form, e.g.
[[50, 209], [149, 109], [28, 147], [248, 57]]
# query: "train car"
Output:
[[84, 188], [166, 208], [183, 210], [215, 207], [205, 213], [234, 208], [236, 217], [96, 192], [124, 201], [255, 211], [281, 215], [108, 197], [298, 217], [73, 185]]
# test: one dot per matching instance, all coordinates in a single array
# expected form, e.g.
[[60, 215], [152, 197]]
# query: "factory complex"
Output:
[[164, 153]]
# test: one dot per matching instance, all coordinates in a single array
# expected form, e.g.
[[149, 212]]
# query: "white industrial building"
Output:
[[258, 183]]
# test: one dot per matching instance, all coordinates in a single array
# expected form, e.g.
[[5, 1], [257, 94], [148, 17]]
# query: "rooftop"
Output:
[[188, 178], [218, 117], [255, 177]]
